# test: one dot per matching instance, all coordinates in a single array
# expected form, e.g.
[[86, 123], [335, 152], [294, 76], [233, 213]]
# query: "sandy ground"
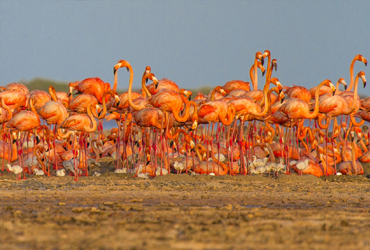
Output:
[[185, 212]]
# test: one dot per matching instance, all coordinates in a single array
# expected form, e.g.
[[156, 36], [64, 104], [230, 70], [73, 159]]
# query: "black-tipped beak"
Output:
[[312, 150], [280, 91], [320, 162], [65, 148], [127, 69], [263, 73], [189, 98], [334, 92], [88, 144], [118, 103], [275, 67], [43, 159], [192, 150], [262, 60], [364, 84], [282, 99], [37, 140], [69, 94], [345, 87], [99, 113], [156, 85], [100, 155], [14, 140], [70, 142], [146, 80], [148, 163], [171, 144], [137, 144], [268, 155], [114, 70], [366, 64], [358, 140]]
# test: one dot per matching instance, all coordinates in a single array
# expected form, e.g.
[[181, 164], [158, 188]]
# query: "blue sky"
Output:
[[194, 43]]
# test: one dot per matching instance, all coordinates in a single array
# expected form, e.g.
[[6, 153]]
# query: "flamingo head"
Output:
[[220, 90], [282, 96], [329, 84], [266, 53], [117, 100], [343, 82], [276, 81], [120, 64], [148, 69], [260, 57], [362, 75], [361, 58], [274, 64], [98, 109]]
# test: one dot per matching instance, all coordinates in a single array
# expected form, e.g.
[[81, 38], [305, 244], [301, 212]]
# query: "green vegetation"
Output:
[[44, 83]]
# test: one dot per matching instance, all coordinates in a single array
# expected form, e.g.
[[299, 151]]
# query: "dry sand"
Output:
[[185, 212]]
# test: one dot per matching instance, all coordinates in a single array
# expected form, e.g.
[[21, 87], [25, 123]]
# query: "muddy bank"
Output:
[[185, 212]]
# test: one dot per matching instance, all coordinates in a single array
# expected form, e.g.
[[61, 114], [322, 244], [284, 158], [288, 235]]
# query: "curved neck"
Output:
[[133, 105], [316, 110], [115, 81], [111, 92], [255, 80], [351, 74], [274, 89], [197, 148], [176, 134], [10, 113], [90, 129], [223, 166], [33, 108], [269, 70], [266, 96], [213, 94], [353, 107], [185, 117], [144, 89], [53, 94], [230, 117]]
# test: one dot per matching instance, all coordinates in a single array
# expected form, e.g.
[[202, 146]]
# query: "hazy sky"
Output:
[[193, 43]]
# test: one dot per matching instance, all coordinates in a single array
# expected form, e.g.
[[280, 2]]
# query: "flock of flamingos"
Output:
[[236, 129]]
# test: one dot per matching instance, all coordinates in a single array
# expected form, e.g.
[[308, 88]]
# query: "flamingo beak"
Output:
[[263, 73], [195, 125], [345, 87], [171, 144], [262, 60], [275, 66], [312, 150], [117, 100], [192, 144], [282, 99], [114, 70]]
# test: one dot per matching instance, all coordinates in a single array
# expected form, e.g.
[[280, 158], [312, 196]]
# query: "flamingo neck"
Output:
[[90, 129]]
